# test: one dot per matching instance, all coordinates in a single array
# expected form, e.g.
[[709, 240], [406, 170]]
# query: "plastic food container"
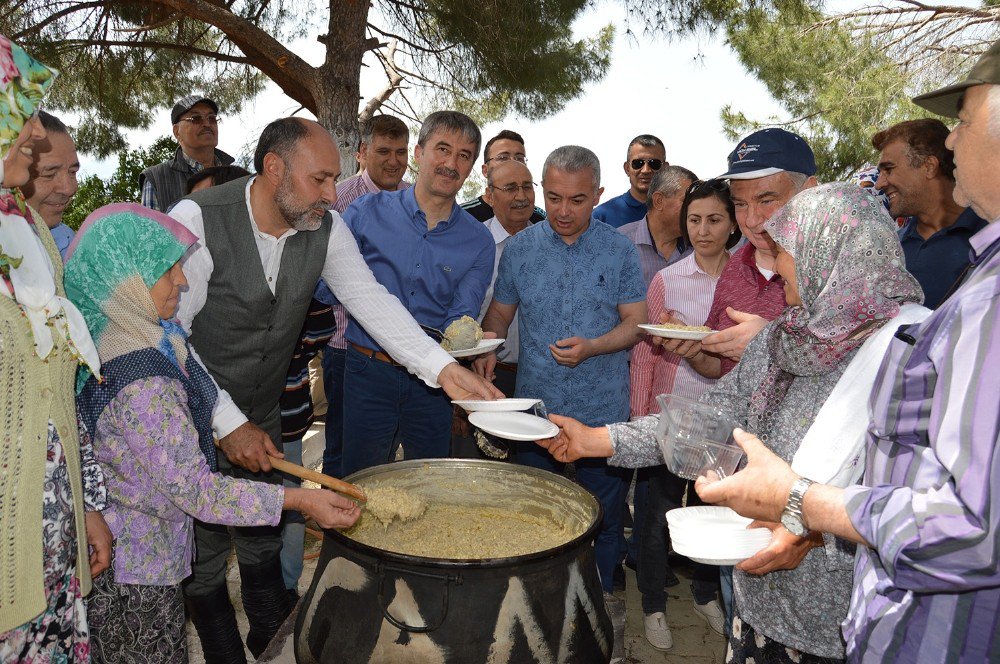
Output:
[[696, 438]]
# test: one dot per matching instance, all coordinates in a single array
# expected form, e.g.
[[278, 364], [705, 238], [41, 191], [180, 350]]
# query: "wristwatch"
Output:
[[791, 518]]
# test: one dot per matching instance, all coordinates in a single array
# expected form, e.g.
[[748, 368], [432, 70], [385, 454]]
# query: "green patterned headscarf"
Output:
[[119, 253], [23, 83]]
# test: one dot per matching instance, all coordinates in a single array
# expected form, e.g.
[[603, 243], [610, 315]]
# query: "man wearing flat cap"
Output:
[[196, 128], [926, 515]]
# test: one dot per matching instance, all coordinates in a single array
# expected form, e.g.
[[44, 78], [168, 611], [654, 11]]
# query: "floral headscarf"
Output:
[[119, 253], [29, 274], [23, 83], [851, 278]]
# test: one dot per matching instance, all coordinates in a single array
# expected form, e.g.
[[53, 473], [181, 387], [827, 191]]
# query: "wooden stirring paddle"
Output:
[[340, 486]]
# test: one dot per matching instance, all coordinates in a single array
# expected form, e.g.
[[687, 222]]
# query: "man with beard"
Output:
[[264, 243], [917, 174], [438, 260], [53, 179], [196, 128], [646, 155]]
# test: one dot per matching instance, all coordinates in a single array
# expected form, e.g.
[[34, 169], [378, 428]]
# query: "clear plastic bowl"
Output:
[[696, 438]]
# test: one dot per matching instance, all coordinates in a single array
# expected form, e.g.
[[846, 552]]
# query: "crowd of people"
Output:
[[157, 360]]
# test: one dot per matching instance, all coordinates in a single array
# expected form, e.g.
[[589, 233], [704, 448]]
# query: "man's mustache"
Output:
[[447, 172], [520, 205]]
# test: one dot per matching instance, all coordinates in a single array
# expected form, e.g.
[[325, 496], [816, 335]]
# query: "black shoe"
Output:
[[630, 563], [215, 620], [265, 602]]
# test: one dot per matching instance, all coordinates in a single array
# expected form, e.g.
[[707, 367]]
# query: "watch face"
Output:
[[793, 524]]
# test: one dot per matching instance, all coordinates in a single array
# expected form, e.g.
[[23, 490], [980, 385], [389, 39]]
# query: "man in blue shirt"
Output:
[[917, 174], [576, 287], [53, 179], [646, 155], [438, 260]]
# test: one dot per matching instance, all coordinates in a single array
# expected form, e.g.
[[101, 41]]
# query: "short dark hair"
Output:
[[707, 189], [279, 137], [923, 138], [646, 141], [383, 125], [451, 121], [505, 135], [52, 124], [218, 175]]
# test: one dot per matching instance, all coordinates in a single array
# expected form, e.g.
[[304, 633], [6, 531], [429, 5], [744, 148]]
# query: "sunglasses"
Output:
[[712, 185], [654, 164], [199, 120]]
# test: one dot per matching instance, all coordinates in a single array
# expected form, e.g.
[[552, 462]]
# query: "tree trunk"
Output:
[[338, 92]]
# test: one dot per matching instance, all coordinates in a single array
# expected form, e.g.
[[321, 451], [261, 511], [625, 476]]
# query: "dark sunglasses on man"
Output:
[[654, 164]]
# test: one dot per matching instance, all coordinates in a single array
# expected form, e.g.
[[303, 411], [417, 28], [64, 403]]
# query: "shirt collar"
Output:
[[194, 164], [253, 222], [409, 200], [374, 188], [555, 237], [632, 201], [967, 221], [641, 234], [985, 239], [496, 228]]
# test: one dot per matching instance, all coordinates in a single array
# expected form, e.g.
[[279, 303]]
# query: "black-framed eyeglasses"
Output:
[[506, 156], [199, 120], [654, 164], [513, 188]]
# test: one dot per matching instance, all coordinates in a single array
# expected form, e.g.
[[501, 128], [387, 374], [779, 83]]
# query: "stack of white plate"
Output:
[[714, 535]]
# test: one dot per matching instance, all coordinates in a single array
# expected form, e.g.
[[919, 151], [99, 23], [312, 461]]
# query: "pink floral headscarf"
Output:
[[851, 277]]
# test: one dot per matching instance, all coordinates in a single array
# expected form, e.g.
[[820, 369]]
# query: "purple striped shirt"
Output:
[[928, 589], [348, 191]]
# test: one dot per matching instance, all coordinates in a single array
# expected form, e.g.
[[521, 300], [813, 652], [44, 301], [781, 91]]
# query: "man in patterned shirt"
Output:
[[576, 288], [927, 514]]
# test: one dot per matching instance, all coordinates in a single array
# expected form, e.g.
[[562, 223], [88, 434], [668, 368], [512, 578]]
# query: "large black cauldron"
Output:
[[375, 606]]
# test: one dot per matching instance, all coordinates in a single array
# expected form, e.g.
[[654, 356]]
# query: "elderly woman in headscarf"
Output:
[[47, 480], [847, 290], [150, 419]]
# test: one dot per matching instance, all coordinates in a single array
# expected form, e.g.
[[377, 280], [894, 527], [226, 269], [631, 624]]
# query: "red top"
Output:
[[742, 287]]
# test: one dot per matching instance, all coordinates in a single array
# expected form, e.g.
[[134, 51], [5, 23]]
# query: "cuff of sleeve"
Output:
[[857, 500], [436, 361], [225, 423]]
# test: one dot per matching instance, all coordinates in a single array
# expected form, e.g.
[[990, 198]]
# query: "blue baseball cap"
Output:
[[767, 152]]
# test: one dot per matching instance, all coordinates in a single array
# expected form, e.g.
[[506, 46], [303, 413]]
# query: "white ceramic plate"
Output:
[[484, 346], [496, 406], [668, 333], [514, 426]]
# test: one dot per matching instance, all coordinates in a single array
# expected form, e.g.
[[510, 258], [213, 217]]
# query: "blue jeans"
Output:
[[609, 487], [726, 580], [293, 526], [381, 399], [333, 385]]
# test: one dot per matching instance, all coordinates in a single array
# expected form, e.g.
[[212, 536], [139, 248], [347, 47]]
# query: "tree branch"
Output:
[[52, 18], [183, 48]]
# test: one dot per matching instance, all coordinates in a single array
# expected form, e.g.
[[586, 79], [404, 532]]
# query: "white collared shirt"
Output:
[[508, 352], [346, 274]]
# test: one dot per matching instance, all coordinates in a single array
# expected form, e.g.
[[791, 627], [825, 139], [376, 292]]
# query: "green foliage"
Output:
[[125, 59], [122, 186]]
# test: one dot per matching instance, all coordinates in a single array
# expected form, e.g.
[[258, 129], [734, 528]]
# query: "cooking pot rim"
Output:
[[473, 563]]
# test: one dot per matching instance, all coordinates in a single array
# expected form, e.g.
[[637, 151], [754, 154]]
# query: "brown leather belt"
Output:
[[375, 355], [507, 366]]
